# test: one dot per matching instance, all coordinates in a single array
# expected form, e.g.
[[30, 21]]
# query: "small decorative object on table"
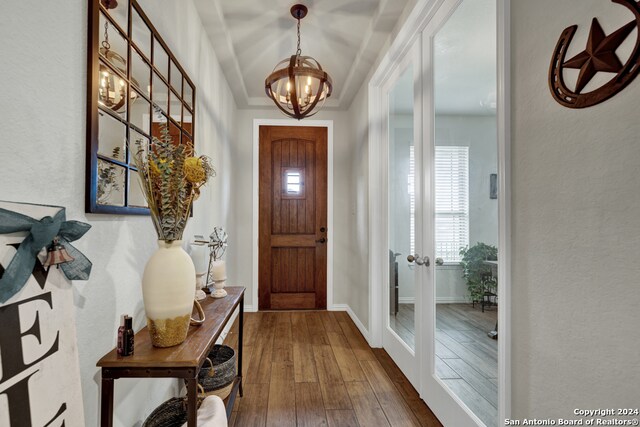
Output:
[[125, 336], [171, 176], [217, 267]]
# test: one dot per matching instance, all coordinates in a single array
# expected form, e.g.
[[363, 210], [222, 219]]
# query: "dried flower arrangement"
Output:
[[171, 177]]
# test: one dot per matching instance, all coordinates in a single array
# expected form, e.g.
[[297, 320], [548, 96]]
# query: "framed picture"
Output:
[[493, 186]]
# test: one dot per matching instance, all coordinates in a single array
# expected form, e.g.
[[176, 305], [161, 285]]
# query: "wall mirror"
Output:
[[135, 87]]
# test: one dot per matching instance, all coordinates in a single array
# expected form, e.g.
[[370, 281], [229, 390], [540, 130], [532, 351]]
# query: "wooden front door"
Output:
[[293, 218]]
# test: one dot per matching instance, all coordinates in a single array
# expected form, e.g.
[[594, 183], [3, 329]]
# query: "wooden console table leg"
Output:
[[240, 329], [192, 405], [106, 403]]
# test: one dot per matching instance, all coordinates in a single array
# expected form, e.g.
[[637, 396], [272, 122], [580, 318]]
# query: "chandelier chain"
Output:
[[298, 51], [105, 42]]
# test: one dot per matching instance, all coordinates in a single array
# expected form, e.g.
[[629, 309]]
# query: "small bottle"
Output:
[[128, 334], [125, 336]]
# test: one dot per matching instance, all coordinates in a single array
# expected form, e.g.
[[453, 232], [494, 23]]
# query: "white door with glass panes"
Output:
[[459, 366], [401, 299], [437, 251]]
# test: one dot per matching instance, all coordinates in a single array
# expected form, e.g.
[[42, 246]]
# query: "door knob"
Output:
[[420, 261], [321, 240], [423, 261]]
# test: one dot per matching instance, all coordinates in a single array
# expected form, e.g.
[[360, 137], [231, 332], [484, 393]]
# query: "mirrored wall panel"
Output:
[[137, 88]]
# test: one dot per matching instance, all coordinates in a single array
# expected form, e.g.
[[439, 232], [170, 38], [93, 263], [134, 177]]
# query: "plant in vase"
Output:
[[474, 268], [171, 176]]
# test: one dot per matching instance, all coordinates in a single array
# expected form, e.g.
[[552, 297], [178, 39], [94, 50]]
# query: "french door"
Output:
[[402, 326], [460, 361], [440, 165]]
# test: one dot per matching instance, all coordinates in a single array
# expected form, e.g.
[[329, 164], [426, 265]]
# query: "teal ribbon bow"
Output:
[[41, 234]]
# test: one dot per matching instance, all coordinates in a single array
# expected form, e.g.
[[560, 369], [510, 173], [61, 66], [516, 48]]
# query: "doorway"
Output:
[[439, 208], [292, 216]]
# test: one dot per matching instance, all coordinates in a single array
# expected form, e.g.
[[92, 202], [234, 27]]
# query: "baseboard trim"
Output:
[[439, 300], [250, 309], [354, 318], [451, 300]]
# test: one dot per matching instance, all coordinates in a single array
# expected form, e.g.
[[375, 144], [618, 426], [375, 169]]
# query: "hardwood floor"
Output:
[[403, 324], [466, 358], [314, 368]]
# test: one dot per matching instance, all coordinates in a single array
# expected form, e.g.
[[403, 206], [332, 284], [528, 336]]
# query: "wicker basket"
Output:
[[171, 413], [218, 379]]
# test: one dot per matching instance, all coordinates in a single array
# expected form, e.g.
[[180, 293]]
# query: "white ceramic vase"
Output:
[[167, 290]]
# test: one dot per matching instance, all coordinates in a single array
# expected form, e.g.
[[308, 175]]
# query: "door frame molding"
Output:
[[416, 22], [328, 124]]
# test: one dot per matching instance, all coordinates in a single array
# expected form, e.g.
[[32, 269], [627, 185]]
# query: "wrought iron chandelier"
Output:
[[112, 88], [298, 85]]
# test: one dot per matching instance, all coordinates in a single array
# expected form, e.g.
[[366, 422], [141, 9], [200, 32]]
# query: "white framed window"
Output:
[[451, 201]]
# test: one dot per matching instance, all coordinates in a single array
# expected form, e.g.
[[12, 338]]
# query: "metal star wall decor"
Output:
[[599, 55]]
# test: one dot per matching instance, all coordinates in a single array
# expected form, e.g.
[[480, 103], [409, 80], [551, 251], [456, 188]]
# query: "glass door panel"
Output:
[[465, 208], [402, 301], [401, 197]]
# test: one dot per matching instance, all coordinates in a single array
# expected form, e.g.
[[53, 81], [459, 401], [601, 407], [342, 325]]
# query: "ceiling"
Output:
[[250, 37]]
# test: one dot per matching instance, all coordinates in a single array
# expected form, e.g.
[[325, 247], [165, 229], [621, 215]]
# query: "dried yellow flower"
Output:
[[194, 171], [154, 167]]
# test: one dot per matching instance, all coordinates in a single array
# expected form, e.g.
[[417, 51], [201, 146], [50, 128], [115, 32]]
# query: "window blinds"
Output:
[[452, 201]]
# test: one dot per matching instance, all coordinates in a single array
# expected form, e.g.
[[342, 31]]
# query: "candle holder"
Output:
[[219, 291], [200, 284]]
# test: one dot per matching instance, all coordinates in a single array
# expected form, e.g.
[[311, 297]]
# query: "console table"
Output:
[[181, 361]]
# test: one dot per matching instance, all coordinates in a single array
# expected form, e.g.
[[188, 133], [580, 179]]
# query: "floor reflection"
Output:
[[466, 358]]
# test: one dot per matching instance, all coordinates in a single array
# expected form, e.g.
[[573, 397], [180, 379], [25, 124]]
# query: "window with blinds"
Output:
[[452, 201]]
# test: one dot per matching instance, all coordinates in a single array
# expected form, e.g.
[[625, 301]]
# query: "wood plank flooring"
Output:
[[403, 324], [314, 368], [466, 358]]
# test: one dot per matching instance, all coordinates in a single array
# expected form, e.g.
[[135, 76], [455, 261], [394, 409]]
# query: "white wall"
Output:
[[357, 292], [479, 134], [241, 248], [575, 229], [358, 186], [42, 161]]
